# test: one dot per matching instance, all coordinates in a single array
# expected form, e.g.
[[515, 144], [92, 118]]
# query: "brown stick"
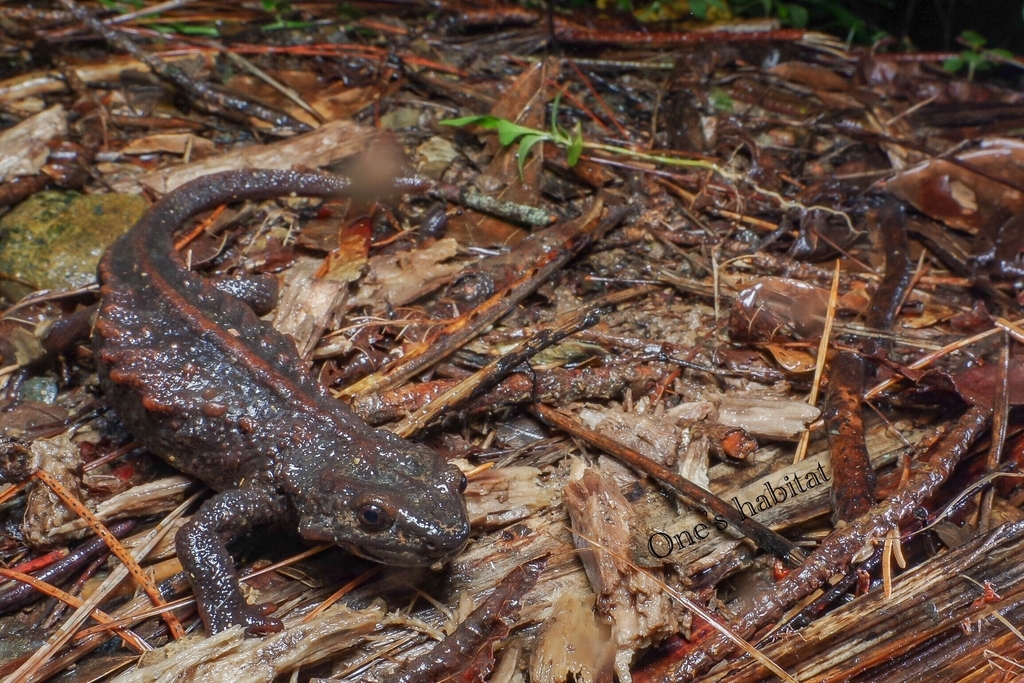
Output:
[[573, 34], [853, 491], [763, 537], [892, 290], [556, 386]]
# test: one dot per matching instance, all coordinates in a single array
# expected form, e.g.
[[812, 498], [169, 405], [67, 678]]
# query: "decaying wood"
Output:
[[328, 143], [631, 601]]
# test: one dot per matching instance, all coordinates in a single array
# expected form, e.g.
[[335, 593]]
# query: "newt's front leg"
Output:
[[210, 569]]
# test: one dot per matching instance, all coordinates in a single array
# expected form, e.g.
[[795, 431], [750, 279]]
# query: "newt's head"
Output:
[[384, 499]]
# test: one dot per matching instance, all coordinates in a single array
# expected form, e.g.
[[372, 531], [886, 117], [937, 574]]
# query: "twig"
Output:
[[853, 491], [763, 537], [899, 271], [554, 386], [275, 84], [473, 198]]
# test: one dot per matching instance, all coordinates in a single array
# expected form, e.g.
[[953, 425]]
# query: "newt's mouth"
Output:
[[398, 558], [413, 557], [417, 552]]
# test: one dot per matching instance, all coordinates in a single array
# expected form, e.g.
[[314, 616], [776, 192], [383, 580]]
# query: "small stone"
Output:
[[53, 240]]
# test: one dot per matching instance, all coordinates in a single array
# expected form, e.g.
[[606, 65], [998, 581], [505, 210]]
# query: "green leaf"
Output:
[[555, 130], [291, 25], [195, 30], [973, 38], [482, 120], [509, 132], [972, 58], [798, 16], [525, 145], [953, 64], [699, 8], [572, 155], [721, 100], [1000, 52]]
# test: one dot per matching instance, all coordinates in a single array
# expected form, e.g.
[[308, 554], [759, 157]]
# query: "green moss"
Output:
[[54, 240]]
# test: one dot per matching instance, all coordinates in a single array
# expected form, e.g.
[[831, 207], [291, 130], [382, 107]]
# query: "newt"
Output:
[[221, 395]]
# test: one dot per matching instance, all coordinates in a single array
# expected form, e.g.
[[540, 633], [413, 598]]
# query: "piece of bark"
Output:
[[503, 495], [230, 656], [773, 418], [398, 278], [632, 601], [25, 144], [840, 546], [330, 142], [44, 511], [572, 644], [657, 437], [853, 491]]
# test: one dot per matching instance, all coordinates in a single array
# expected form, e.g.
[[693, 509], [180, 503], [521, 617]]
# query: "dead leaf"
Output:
[[962, 198], [981, 385], [792, 360], [811, 75]]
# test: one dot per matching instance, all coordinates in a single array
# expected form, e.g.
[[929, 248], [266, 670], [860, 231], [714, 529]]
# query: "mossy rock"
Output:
[[53, 240]]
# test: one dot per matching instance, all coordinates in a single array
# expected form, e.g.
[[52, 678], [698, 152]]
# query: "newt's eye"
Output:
[[373, 517], [463, 483]]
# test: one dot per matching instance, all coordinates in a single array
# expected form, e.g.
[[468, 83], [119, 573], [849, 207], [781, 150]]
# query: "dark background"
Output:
[[931, 25]]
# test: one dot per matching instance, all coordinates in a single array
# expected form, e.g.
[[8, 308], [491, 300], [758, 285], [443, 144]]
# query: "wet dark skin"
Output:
[[219, 394]]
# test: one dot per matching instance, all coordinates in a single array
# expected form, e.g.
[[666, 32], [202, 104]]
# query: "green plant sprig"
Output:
[[977, 57], [574, 144], [509, 133]]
